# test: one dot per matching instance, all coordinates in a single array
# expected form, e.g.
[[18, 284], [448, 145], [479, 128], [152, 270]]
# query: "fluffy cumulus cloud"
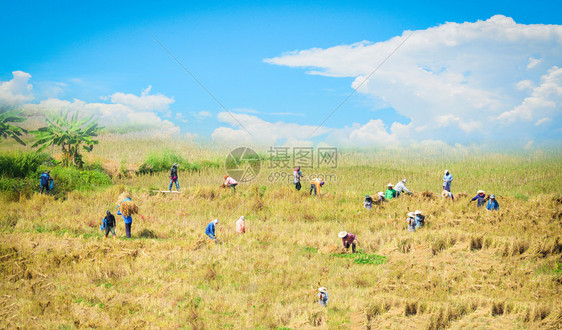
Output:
[[122, 110], [16, 91], [470, 79]]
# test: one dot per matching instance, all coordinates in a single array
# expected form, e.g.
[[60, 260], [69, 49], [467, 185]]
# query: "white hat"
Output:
[[323, 289], [380, 193], [493, 196], [390, 185], [242, 218], [216, 221], [418, 212], [342, 234], [446, 171], [404, 180], [444, 193], [480, 192], [411, 214]]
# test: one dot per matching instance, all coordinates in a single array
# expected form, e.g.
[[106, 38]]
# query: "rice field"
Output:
[[467, 268]]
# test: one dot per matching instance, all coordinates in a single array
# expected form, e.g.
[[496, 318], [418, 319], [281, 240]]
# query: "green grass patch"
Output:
[[361, 257]]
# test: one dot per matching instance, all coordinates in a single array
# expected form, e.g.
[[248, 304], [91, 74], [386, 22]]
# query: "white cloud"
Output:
[[533, 62], [453, 75], [16, 91], [201, 115], [543, 121], [144, 102]]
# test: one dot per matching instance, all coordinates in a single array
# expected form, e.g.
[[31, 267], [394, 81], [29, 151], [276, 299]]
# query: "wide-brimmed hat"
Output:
[[380, 193], [242, 218], [418, 212], [404, 180], [444, 193], [411, 214], [493, 197], [323, 289], [342, 234], [480, 192], [216, 221], [390, 185], [446, 171]]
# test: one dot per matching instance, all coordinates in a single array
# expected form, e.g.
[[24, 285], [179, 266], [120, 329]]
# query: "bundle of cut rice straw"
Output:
[[127, 208]]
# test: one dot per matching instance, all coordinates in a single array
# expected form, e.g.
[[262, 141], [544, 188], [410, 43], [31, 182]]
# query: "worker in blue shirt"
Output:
[[480, 198], [493, 204], [447, 179], [210, 230]]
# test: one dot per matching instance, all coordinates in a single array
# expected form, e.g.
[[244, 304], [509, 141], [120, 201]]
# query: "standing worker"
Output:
[[390, 192], [109, 224], [46, 181], [297, 175], [241, 225], [315, 185], [174, 177], [126, 208], [348, 239], [493, 204], [323, 296], [210, 230], [480, 198], [230, 182], [401, 187], [447, 179]]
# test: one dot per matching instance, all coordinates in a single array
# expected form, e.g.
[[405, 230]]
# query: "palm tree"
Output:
[[6, 129], [69, 133]]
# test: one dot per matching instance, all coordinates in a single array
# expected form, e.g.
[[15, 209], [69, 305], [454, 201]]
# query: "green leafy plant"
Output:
[[8, 130], [70, 133]]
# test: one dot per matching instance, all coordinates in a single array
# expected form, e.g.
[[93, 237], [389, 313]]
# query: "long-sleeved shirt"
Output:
[[210, 230], [493, 205], [297, 175], [390, 194], [230, 181], [174, 173], [240, 226], [128, 219], [447, 178], [480, 199], [109, 220], [323, 298], [349, 238], [316, 182], [400, 186]]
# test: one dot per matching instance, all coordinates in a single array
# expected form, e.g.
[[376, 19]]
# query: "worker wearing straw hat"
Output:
[[380, 198], [390, 192], [420, 219], [447, 194], [447, 179], [210, 230], [493, 204], [348, 239], [411, 221], [323, 296], [480, 198]]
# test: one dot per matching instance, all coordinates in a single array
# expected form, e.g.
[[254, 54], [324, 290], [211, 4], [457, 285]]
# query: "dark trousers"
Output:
[[312, 188], [298, 185], [128, 229], [233, 186], [45, 187], [352, 246]]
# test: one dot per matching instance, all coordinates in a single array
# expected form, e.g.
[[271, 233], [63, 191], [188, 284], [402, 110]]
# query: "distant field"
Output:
[[468, 268]]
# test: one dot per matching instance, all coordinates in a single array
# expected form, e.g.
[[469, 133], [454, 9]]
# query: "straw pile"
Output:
[[127, 208], [122, 197]]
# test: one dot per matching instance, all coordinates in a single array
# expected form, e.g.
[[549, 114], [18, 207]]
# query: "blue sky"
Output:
[[257, 59]]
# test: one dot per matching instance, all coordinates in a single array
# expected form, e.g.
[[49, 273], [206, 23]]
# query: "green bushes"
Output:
[[21, 165], [163, 161]]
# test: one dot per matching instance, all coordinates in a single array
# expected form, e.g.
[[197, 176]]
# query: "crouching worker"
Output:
[[210, 230], [401, 188], [315, 185], [480, 198], [447, 194], [323, 296], [109, 224], [241, 225], [380, 198], [348, 239], [493, 204], [230, 182], [420, 219], [411, 222], [368, 202]]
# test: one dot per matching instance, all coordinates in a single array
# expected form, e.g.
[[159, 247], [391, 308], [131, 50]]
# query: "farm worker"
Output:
[[493, 204], [380, 198], [297, 175], [368, 202], [420, 218], [128, 219], [323, 296], [241, 225], [174, 177], [210, 230], [447, 194], [447, 179], [401, 187], [480, 196], [390, 192], [46, 181], [348, 239], [109, 224], [315, 185], [230, 182], [411, 222]]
